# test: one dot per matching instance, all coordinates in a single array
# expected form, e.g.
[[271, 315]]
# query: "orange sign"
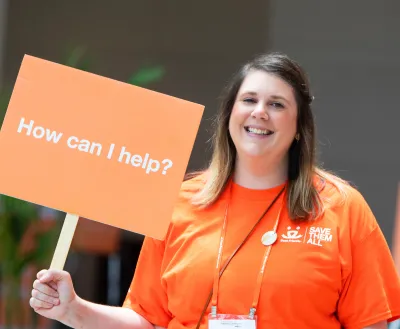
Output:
[[96, 147]]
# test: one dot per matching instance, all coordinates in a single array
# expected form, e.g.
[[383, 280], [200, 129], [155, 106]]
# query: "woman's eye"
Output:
[[249, 100], [277, 105]]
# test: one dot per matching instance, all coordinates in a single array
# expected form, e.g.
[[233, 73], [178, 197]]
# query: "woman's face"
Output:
[[263, 122]]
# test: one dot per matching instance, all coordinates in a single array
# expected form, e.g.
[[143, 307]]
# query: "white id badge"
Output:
[[230, 321]]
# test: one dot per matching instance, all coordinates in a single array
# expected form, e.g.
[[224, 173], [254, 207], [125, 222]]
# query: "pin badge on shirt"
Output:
[[269, 238]]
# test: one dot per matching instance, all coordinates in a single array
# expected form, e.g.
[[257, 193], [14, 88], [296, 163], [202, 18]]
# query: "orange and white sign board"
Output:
[[96, 147]]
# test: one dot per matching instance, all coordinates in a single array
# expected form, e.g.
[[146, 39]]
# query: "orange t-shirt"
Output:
[[332, 273]]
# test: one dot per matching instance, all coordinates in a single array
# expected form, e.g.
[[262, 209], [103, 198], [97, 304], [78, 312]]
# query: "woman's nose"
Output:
[[260, 112]]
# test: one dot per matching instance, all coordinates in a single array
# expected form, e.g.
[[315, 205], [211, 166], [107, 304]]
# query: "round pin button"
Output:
[[269, 238]]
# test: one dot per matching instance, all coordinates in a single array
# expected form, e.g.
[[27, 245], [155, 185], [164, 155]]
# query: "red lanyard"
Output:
[[214, 301]]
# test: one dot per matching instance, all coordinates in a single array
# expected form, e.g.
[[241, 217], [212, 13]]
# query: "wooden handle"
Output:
[[64, 242]]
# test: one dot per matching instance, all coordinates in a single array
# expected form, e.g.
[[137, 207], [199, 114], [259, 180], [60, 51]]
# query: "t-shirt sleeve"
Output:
[[371, 292], [146, 295]]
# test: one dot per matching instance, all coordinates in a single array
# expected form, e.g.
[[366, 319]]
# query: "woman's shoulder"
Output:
[[187, 217], [338, 192], [192, 184], [346, 203]]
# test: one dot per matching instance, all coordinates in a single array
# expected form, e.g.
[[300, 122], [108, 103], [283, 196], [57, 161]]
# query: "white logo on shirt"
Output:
[[318, 234], [291, 235]]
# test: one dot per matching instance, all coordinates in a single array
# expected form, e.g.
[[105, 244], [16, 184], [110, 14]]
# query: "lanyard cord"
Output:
[[234, 253], [261, 273]]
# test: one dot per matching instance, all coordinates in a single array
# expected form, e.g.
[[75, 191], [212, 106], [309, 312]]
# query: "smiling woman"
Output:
[[263, 123], [264, 238], [271, 92]]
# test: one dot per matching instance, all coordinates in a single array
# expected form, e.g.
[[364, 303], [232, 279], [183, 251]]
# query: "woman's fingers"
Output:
[[40, 273], [46, 276], [37, 304], [47, 300], [53, 285], [46, 288]]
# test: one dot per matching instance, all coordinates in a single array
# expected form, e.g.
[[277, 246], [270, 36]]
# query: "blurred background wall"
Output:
[[350, 50]]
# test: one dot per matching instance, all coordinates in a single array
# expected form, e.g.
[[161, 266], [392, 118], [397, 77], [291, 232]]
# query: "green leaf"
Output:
[[78, 59], [147, 75]]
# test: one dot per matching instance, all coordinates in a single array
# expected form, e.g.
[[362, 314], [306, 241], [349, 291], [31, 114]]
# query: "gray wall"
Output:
[[351, 50], [3, 27]]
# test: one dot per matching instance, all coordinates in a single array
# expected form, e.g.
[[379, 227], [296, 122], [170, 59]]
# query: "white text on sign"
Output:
[[83, 145]]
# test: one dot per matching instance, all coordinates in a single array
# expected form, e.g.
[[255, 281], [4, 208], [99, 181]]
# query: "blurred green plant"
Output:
[[147, 75], [23, 242]]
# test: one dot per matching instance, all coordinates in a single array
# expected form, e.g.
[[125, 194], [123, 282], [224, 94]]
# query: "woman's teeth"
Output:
[[259, 131]]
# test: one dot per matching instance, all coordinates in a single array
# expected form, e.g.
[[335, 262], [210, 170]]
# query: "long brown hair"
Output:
[[303, 198]]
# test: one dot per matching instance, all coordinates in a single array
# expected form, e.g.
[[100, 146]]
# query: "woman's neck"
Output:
[[256, 174]]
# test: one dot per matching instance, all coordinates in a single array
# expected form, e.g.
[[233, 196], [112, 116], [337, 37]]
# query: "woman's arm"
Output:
[[87, 315]]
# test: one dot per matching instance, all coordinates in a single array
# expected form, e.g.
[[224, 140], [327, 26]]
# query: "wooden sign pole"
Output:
[[64, 242]]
